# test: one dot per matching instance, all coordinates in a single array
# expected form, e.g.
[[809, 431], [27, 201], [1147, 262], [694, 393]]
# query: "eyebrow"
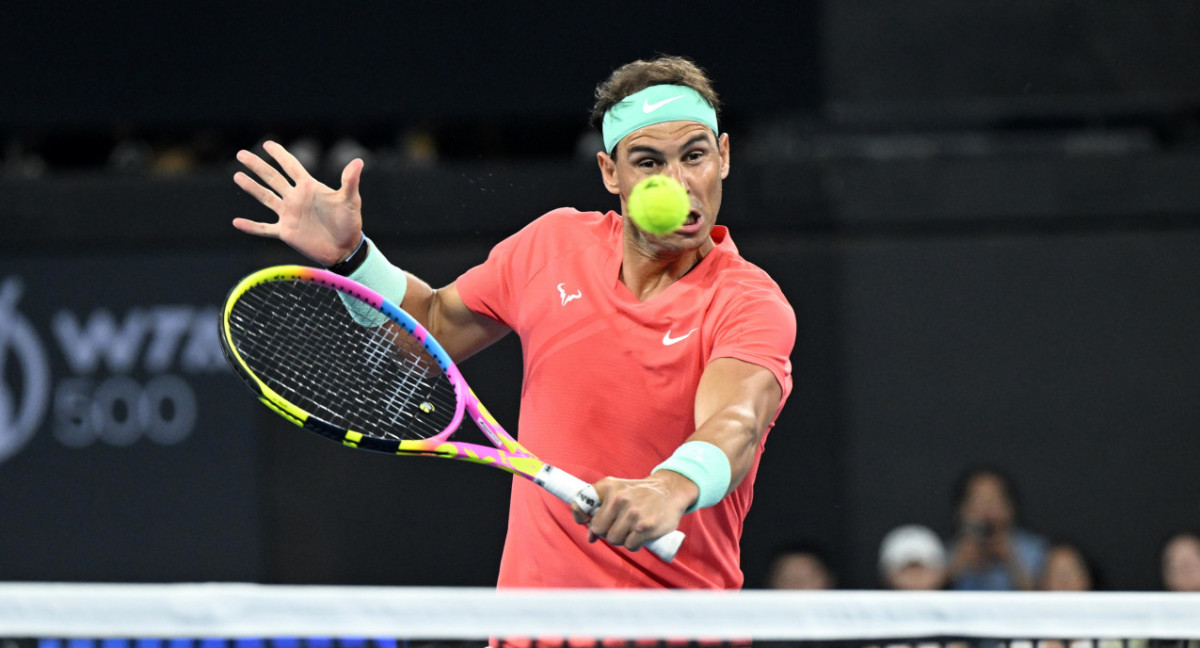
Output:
[[702, 137]]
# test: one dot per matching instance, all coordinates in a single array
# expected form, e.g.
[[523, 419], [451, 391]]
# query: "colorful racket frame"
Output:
[[506, 454]]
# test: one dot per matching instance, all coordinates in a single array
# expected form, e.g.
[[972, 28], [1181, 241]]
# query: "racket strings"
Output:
[[301, 340]]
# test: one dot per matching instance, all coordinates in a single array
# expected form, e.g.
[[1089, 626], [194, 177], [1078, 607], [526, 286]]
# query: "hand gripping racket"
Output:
[[336, 358]]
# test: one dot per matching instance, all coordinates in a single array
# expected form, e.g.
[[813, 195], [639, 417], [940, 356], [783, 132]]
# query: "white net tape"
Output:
[[249, 610]]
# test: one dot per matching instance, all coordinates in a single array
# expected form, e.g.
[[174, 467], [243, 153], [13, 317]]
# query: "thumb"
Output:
[[580, 516], [351, 176]]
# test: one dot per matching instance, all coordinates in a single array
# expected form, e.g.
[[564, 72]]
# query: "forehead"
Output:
[[1184, 545], [986, 484], [1064, 555], [668, 136], [803, 559]]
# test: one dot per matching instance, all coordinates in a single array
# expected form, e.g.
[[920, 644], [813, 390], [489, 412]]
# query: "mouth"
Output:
[[692, 223]]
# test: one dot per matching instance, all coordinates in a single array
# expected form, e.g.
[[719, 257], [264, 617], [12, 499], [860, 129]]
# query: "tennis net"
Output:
[[241, 615]]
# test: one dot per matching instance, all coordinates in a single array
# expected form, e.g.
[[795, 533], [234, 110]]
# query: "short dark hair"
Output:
[[1095, 573], [964, 482], [802, 547], [639, 75]]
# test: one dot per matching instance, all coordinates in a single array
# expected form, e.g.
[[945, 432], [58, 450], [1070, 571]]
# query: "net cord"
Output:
[[236, 610]]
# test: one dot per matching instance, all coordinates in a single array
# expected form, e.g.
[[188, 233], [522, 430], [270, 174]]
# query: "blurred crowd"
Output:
[[988, 551], [172, 153]]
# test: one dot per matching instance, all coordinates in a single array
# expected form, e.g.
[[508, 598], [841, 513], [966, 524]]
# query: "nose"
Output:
[[676, 171]]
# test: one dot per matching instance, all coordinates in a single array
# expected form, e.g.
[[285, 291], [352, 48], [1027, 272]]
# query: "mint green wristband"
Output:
[[706, 466], [378, 274]]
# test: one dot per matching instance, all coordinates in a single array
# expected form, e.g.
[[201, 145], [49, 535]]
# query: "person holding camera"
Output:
[[989, 551]]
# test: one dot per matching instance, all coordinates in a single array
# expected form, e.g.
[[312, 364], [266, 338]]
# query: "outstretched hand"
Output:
[[322, 224]]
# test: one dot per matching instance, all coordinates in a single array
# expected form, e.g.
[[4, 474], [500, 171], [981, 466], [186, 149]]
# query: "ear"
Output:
[[608, 172], [723, 145]]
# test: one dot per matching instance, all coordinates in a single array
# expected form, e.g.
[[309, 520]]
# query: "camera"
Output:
[[981, 529]]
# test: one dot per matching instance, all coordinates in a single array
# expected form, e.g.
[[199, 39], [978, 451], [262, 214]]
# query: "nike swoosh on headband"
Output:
[[651, 107]]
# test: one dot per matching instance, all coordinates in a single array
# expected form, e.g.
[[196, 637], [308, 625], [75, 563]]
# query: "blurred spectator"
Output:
[[1066, 570], [342, 152], [419, 147], [989, 551], [800, 566], [589, 143], [1181, 563], [174, 159], [130, 155], [912, 557], [308, 150], [22, 161]]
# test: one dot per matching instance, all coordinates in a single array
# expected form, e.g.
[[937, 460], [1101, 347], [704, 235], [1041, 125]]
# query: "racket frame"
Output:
[[506, 453]]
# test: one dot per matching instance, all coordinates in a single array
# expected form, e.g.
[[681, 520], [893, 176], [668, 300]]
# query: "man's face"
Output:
[[1181, 564], [1065, 571], [685, 150], [800, 571], [987, 502], [917, 576]]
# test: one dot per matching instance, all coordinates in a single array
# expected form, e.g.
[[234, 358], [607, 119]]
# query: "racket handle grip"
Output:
[[571, 489]]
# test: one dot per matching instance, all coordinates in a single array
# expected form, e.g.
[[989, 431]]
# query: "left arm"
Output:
[[735, 403]]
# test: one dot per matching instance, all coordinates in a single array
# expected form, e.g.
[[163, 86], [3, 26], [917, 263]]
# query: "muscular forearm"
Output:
[[735, 403], [737, 431]]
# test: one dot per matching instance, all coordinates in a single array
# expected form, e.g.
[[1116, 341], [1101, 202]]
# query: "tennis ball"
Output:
[[658, 204]]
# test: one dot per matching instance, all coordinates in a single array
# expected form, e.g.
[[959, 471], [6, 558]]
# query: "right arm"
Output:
[[325, 225], [460, 330]]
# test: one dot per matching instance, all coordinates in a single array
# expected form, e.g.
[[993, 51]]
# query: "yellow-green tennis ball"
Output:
[[658, 204]]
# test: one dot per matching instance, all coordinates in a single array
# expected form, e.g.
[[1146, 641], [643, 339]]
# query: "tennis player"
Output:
[[654, 366]]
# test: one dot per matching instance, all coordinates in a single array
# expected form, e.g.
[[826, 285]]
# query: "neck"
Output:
[[648, 273]]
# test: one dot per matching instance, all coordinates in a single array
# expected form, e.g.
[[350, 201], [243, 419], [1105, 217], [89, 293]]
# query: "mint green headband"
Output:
[[654, 105]]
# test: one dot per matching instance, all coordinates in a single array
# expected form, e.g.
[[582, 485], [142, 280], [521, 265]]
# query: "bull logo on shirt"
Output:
[[566, 299]]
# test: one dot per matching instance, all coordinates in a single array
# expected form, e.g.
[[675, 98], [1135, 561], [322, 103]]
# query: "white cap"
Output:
[[911, 543]]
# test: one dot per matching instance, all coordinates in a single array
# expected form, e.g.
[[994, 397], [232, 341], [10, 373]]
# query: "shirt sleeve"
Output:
[[485, 288], [758, 326], [492, 287]]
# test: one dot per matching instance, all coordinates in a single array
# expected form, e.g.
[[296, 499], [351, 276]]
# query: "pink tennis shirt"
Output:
[[609, 388]]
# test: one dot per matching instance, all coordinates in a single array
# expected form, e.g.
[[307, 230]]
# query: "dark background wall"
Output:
[[985, 217]]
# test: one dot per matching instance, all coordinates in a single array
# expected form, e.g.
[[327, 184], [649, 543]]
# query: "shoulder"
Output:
[[573, 221], [746, 306], [740, 282], [732, 269], [554, 238], [1031, 540], [566, 229]]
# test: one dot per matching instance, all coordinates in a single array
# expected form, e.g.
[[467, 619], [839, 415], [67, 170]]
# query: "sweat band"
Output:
[[706, 465], [376, 273], [351, 263], [654, 105]]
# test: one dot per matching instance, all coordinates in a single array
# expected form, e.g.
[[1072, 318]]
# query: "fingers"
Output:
[[270, 230], [624, 516], [266, 173], [259, 192], [623, 532], [580, 516], [287, 161]]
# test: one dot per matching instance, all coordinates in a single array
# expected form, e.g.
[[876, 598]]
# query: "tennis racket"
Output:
[[336, 358]]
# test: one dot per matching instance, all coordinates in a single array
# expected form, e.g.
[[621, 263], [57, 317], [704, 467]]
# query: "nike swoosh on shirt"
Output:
[[651, 107], [668, 340]]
